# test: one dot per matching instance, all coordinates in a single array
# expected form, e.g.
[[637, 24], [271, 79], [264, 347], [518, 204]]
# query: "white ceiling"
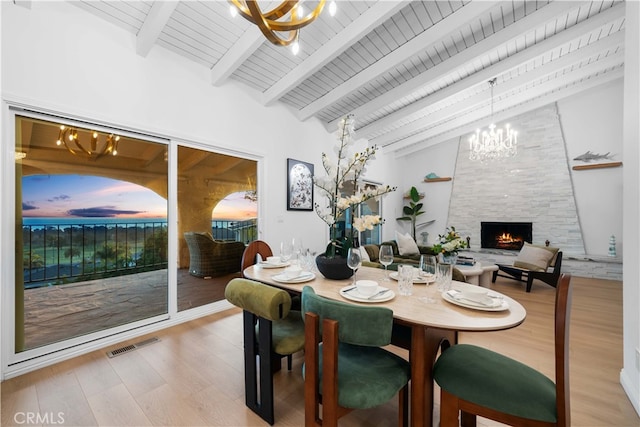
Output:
[[415, 73]]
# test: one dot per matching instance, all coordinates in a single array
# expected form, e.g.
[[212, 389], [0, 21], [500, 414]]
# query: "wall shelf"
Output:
[[447, 178], [597, 166]]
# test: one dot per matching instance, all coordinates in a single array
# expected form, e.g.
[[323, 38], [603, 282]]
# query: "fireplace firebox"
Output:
[[505, 235]]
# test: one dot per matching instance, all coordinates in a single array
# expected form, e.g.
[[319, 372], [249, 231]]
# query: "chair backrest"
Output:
[[262, 300], [359, 325], [198, 241], [562, 317], [556, 262], [252, 249]]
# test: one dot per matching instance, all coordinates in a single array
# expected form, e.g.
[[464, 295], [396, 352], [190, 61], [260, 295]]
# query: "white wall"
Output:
[[592, 121], [90, 70]]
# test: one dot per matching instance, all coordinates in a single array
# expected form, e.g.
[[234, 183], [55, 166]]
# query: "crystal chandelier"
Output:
[[68, 136], [288, 16], [493, 144]]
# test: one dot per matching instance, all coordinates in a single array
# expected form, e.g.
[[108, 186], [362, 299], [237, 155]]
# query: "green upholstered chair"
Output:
[[345, 367], [475, 381], [211, 258], [271, 331]]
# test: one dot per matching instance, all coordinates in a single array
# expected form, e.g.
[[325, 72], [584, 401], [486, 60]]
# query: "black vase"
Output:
[[335, 268]]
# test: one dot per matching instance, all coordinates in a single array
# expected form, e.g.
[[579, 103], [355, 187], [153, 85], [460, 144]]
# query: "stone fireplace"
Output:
[[505, 235]]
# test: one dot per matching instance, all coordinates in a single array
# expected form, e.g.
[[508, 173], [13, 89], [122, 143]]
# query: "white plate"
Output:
[[304, 277], [419, 280], [498, 304], [353, 295], [273, 265]]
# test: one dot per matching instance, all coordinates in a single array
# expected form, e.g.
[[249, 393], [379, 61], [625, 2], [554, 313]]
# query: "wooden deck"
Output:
[[56, 313]]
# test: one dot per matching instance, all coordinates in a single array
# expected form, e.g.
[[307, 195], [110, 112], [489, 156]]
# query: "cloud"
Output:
[[59, 198], [27, 206], [101, 211]]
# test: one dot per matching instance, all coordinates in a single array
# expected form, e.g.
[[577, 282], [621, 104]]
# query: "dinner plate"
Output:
[[419, 280], [266, 264], [304, 277], [353, 295], [455, 297]]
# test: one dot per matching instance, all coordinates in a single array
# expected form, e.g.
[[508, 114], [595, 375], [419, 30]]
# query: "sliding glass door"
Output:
[[90, 228]]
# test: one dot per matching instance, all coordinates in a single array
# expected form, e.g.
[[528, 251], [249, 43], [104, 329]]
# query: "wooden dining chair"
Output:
[[345, 367], [252, 250], [475, 381], [271, 331]]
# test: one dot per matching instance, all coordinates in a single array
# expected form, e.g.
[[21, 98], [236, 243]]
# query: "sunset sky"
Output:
[[80, 196]]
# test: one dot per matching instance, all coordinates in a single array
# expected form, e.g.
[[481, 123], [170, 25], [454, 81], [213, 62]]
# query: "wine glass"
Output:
[[386, 258], [354, 261]]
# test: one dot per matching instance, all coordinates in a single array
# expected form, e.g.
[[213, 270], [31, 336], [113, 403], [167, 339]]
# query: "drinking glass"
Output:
[[405, 279], [443, 276], [285, 252], [354, 261], [386, 258], [428, 272]]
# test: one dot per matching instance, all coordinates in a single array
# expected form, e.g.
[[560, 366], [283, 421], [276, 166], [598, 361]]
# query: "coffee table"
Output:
[[478, 274]]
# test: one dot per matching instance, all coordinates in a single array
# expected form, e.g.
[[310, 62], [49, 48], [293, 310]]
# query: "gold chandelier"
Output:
[[68, 136], [288, 16]]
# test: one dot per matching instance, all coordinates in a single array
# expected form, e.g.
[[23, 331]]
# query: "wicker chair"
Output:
[[210, 258]]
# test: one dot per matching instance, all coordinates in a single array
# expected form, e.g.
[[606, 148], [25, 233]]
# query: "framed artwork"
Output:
[[299, 185]]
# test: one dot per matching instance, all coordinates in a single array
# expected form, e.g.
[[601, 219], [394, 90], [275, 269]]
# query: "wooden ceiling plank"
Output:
[[433, 34], [153, 25], [505, 65], [246, 46], [360, 27]]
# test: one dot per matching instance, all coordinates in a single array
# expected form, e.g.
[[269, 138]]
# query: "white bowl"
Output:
[[292, 272], [475, 293], [273, 259], [367, 288]]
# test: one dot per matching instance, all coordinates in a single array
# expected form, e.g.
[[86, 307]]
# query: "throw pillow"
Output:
[[406, 244], [536, 258], [364, 254]]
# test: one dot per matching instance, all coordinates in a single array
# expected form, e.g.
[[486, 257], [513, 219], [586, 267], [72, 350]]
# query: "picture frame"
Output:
[[299, 185]]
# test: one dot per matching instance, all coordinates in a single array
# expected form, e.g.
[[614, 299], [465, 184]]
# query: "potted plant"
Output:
[[412, 211], [346, 168]]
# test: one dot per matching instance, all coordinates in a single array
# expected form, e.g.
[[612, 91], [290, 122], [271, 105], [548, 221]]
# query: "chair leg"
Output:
[[289, 360], [495, 276], [403, 406], [529, 282], [449, 412], [258, 382], [330, 407]]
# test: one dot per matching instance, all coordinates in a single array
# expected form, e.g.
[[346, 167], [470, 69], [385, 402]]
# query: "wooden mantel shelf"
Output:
[[446, 178], [597, 166]]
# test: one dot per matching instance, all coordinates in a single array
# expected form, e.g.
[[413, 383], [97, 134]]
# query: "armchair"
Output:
[[533, 262], [210, 258]]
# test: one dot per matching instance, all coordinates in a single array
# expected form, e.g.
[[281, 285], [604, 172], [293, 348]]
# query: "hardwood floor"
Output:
[[194, 374]]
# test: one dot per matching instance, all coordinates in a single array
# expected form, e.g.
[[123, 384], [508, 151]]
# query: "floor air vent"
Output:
[[131, 347]]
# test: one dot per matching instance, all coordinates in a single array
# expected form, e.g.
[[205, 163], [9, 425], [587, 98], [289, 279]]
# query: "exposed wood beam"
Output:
[[480, 77], [555, 90], [521, 81], [246, 45], [359, 28], [152, 27], [438, 31]]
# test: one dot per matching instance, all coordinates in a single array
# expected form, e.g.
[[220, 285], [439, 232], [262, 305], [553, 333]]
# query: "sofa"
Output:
[[373, 251]]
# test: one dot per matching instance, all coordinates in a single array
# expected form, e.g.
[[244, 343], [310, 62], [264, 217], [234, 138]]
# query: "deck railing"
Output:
[[64, 253]]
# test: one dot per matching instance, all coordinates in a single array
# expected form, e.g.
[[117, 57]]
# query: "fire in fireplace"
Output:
[[505, 235]]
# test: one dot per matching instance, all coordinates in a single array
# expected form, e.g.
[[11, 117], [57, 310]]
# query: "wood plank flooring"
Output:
[[194, 375]]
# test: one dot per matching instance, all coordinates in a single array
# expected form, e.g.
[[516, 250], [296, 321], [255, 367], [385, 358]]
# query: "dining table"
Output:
[[425, 322]]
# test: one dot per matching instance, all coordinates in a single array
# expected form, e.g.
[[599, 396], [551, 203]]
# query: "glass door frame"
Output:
[[40, 356]]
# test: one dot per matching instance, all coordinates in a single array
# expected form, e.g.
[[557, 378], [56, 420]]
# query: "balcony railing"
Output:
[[65, 253]]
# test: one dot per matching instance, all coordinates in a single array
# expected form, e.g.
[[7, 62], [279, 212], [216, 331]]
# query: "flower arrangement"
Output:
[[348, 167], [449, 243]]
